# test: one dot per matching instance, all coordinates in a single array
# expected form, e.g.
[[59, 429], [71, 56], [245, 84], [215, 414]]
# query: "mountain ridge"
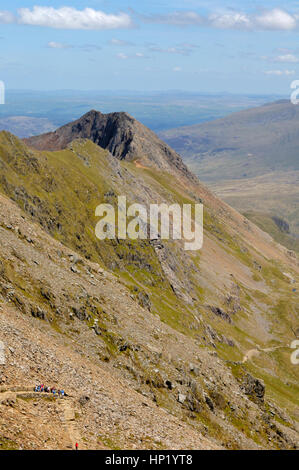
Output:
[[120, 133], [174, 327]]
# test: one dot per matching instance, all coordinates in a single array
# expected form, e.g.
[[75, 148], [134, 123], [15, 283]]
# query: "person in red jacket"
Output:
[[77, 445]]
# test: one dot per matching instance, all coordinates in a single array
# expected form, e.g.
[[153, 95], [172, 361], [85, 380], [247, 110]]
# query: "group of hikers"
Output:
[[54, 391]]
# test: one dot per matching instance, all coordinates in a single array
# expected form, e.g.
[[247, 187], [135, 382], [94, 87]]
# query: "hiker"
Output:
[[77, 446], [62, 393]]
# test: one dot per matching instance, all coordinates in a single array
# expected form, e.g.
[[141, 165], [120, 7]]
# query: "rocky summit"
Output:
[[155, 347], [119, 133]]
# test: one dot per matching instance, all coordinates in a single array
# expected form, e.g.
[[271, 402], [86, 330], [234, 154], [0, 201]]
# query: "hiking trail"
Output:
[[64, 406], [256, 352], [68, 419]]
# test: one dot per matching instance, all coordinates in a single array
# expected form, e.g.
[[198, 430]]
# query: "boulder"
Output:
[[254, 388]]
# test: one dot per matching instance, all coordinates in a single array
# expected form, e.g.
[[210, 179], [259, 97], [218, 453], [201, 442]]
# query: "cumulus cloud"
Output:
[[276, 19], [70, 18], [268, 20], [280, 73]]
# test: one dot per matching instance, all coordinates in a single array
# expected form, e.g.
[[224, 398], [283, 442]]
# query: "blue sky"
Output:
[[210, 46]]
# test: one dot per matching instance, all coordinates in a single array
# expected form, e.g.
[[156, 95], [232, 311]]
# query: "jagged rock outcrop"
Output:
[[121, 134]]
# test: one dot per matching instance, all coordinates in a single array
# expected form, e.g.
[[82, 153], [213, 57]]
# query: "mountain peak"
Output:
[[119, 133]]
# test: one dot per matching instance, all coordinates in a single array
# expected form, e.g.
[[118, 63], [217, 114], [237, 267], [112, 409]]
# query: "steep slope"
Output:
[[80, 348], [249, 158], [124, 137], [175, 325]]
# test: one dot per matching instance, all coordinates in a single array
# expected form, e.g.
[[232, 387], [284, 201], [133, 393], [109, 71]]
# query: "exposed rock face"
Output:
[[220, 313], [254, 388], [281, 224], [121, 134]]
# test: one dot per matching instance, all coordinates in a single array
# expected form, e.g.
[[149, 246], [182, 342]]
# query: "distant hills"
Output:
[[243, 145], [250, 158], [25, 126], [157, 110]]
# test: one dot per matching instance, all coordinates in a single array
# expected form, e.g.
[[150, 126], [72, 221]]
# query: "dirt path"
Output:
[[256, 352], [13, 394], [65, 410], [139, 165], [68, 418]]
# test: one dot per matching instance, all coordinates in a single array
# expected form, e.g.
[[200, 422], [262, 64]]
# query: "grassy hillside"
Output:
[[230, 298], [273, 226], [273, 194]]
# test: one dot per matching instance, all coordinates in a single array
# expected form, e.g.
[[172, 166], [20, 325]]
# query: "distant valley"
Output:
[[24, 126], [251, 160]]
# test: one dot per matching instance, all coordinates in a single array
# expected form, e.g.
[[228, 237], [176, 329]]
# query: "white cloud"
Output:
[[177, 69], [58, 45], [136, 55], [280, 72], [230, 21], [276, 19], [70, 18], [287, 58]]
